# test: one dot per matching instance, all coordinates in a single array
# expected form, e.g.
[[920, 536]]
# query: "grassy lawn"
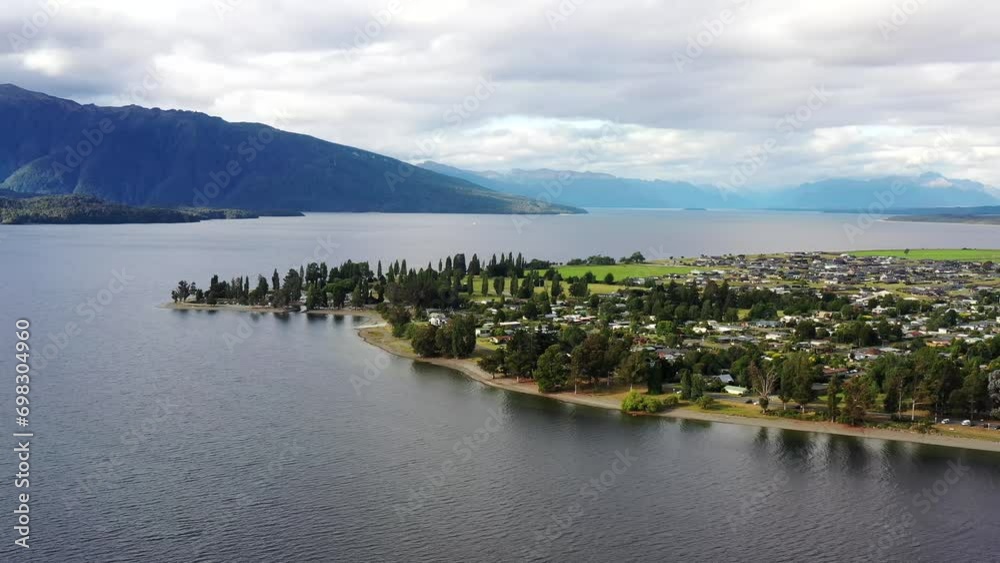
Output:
[[965, 432], [595, 288], [729, 408], [623, 271], [965, 255]]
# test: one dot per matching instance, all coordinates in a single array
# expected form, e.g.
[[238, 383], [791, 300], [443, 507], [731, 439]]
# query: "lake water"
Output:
[[194, 436]]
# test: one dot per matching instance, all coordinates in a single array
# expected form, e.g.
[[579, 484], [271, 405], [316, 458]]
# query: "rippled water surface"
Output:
[[194, 436]]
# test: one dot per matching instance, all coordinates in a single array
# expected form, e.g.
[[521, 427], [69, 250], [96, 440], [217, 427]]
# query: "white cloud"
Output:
[[383, 74]]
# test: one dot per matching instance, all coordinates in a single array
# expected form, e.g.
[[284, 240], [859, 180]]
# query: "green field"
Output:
[[623, 271], [964, 255], [595, 288]]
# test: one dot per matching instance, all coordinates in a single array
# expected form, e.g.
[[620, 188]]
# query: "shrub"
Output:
[[705, 402], [635, 402], [671, 401]]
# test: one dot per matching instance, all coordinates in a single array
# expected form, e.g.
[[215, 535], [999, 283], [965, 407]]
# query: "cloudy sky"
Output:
[[684, 90]]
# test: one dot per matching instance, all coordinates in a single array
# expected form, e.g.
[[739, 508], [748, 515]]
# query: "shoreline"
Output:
[[469, 369], [376, 336], [369, 314]]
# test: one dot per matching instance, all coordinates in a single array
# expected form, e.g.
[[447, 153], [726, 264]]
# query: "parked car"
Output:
[[946, 421], [967, 423]]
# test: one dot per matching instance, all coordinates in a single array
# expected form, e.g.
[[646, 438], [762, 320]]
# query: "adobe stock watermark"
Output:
[[711, 30], [901, 14], [373, 371], [757, 157], [885, 200], [286, 453], [562, 12], [87, 310], [750, 505], [94, 137], [462, 453], [225, 7], [33, 25], [552, 189], [453, 116], [247, 152], [243, 332], [900, 527], [589, 493], [366, 35]]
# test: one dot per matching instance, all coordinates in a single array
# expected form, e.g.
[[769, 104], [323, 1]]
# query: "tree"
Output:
[[994, 391], [485, 289], [312, 297], [572, 336], [634, 368], [859, 397], [463, 336], [259, 294], [552, 373], [494, 362], [697, 387], [800, 369], [183, 291], [686, 385], [424, 340], [499, 283], [588, 362], [557, 288], [974, 391], [833, 398], [292, 286], [786, 386], [398, 318], [579, 288], [763, 381], [805, 330], [521, 355]]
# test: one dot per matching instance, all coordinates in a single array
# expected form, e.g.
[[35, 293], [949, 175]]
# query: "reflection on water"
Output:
[[322, 465]]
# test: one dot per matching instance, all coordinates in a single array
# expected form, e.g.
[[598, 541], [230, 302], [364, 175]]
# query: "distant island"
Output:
[[899, 345], [16, 209], [168, 159], [971, 219]]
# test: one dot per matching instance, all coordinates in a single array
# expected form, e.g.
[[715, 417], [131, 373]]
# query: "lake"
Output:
[[219, 436]]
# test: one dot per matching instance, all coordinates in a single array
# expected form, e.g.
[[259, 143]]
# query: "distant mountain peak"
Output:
[[587, 189], [153, 157]]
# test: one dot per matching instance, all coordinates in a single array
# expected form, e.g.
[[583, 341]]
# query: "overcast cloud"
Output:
[[814, 89]]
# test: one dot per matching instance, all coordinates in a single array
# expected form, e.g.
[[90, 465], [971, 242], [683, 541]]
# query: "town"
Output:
[[902, 339]]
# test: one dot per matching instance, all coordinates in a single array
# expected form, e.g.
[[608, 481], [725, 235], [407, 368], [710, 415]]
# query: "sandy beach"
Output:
[[381, 338], [378, 335]]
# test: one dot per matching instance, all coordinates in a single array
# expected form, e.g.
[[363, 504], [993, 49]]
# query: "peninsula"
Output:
[[887, 344]]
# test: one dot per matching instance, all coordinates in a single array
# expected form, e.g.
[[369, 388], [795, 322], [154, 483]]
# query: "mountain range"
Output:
[[171, 158], [585, 189], [168, 158]]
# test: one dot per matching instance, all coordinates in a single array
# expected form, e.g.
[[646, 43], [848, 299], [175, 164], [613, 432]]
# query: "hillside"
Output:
[[153, 157], [924, 191], [19, 209], [587, 189]]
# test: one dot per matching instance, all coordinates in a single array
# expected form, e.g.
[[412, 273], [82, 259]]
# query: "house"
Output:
[[736, 390]]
